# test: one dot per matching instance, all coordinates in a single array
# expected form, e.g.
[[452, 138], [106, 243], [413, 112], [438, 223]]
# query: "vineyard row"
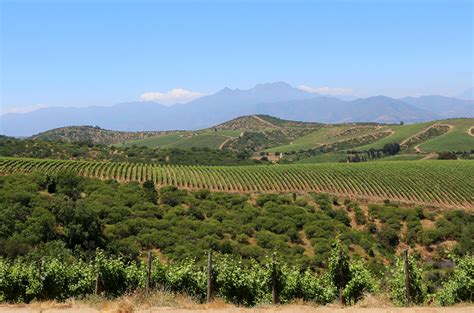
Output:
[[436, 183]]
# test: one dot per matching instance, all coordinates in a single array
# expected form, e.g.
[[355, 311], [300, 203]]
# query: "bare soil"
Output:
[[124, 307]]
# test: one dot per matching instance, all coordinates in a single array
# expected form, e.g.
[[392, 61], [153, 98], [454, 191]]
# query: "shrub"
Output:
[[460, 286]]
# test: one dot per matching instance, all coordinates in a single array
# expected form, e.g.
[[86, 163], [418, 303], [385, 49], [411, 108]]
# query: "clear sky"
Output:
[[103, 52]]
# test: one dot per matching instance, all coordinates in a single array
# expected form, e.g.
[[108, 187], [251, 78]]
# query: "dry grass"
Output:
[[139, 301], [161, 301]]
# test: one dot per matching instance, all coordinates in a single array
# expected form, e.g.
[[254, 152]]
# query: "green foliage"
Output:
[[360, 216], [460, 285], [350, 279], [242, 284], [121, 219], [47, 279], [361, 282], [133, 152], [398, 286], [181, 277]]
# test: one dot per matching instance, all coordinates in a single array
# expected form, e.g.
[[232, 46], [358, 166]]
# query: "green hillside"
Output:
[[251, 133], [209, 138], [417, 141], [400, 133], [456, 139], [95, 135], [330, 134], [301, 142]]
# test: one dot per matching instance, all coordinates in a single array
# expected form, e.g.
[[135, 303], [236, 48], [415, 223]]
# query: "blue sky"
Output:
[[61, 53]]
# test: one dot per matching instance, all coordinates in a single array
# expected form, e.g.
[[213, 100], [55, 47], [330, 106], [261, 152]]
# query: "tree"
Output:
[[150, 191], [391, 148], [68, 183]]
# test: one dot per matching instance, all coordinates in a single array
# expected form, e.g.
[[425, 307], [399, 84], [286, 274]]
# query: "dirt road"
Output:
[[127, 308]]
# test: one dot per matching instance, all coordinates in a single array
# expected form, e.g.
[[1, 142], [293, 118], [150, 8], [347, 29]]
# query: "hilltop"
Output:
[[94, 134], [263, 122]]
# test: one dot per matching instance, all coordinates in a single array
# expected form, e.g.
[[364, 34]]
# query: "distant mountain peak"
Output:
[[272, 85], [275, 98]]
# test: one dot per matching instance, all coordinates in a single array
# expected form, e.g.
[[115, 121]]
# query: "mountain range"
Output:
[[278, 99]]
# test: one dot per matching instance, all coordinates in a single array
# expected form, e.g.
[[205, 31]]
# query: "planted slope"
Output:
[[457, 139], [438, 183]]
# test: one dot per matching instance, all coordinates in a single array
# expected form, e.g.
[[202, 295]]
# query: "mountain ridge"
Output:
[[277, 99]]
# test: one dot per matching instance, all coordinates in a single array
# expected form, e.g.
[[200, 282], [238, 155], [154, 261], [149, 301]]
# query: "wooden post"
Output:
[[209, 276], [148, 273], [341, 277], [275, 295], [407, 277], [97, 285]]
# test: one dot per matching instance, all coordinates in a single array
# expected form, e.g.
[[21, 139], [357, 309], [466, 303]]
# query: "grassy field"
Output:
[[209, 138], [401, 132], [402, 157], [331, 157], [212, 141], [455, 140], [160, 141], [320, 137], [417, 182]]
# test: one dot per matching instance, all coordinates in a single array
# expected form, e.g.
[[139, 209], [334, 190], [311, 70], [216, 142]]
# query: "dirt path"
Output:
[[125, 308], [417, 147], [265, 122], [225, 141], [426, 129], [429, 155]]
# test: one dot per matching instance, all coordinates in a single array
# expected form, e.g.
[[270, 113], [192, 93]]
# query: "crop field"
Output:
[[436, 183], [209, 138]]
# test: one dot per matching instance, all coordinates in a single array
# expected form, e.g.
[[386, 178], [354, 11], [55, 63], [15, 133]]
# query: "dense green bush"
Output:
[[460, 286]]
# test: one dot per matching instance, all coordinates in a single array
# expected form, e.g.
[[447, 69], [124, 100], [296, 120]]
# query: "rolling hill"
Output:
[[267, 135], [95, 135]]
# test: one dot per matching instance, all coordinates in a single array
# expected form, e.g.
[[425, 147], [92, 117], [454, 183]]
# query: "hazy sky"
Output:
[[104, 52]]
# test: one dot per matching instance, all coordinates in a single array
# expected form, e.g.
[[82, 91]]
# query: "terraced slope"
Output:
[[457, 139], [435, 136], [333, 134], [400, 133], [418, 182]]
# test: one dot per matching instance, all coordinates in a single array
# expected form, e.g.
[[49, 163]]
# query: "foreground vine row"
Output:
[[246, 283], [437, 183]]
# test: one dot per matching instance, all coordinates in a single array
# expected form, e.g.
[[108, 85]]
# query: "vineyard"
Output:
[[248, 284], [436, 183]]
